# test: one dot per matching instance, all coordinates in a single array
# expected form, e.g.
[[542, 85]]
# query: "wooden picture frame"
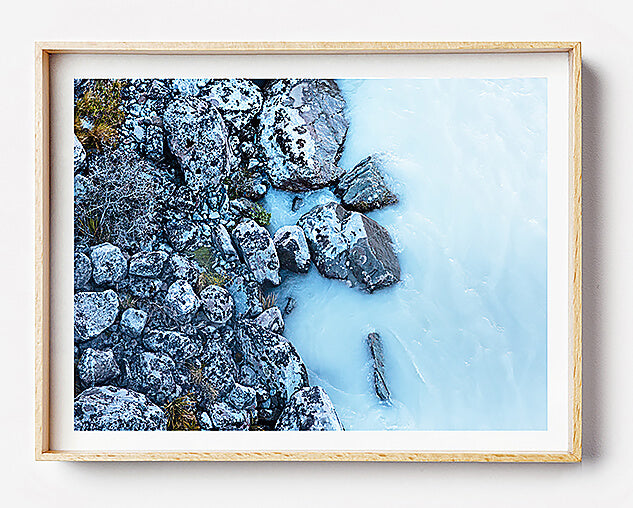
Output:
[[43, 52]]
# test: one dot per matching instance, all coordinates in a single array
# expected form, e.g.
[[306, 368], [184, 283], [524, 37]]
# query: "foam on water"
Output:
[[465, 330]]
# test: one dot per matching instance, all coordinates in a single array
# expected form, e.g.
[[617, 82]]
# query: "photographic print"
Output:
[[310, 254]]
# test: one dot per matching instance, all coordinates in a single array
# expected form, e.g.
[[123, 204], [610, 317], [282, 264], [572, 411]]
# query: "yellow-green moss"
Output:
[[98, 114]]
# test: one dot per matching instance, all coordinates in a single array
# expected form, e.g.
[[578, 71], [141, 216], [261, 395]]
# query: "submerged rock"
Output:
[[363, 188], [217, 303], [133, 322], [181, 300], [309, 409], [83, 270], [198, 138], [350, 246], [292, 249], [256, 247], [95, 312], [113, 408], [108, 264], [239, 100], [302, 130], [378, 358], [97, 367]]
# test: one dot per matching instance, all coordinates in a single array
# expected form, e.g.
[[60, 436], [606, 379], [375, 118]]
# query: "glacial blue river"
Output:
[[465, 330]]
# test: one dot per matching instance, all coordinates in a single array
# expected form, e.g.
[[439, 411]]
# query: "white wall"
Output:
[[604, 477]]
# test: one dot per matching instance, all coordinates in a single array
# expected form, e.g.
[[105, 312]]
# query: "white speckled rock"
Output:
[[239, 100], [133, 322], [181, 300], [256, 247], [153, 375], [177, 345], [271, 319], [97, 367], [147, 264], [95, 312], [217, 303], [83, 270], [108, 264], [292, 249], [309, 409], [79, 154]]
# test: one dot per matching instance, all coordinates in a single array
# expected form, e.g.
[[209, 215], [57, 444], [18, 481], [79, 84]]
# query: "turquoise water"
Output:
[[465, 330]]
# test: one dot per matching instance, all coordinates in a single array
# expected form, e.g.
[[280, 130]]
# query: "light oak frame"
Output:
[[42, 241]]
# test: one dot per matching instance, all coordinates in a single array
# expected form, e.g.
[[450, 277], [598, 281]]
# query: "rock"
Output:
[[363, 188], [148, 264], [112, 408], [216, 379], [302, 131], [297, 202], [217, 303], [243, 397], [188, 86], [205, 421], [291, 303], [79, 154], [292, 249], [108, 264], [182, 234], [181, 300], [271, 320], [258, 251], [270, 364], [80, 187], [83, 270], [180, 267], [198, 138], [239, 100], [95, 312], [309, 409], [153, 375], [222, 242], [178, 346], [97, 367], [224, 417], [378, 358], [350, 246], [133, 322], [246, 296]]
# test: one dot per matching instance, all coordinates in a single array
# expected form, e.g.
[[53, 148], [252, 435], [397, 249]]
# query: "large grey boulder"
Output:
[[97, 367], [198, 138], [108, 264], [133, 322], [218, 304], [153, 375], [113, 408], [239, 100], [302, 131], [350, 246], [363, 188], [258, 251], [292, 249], [177, 345], [94, 312], [378, 359], [309, 409], [181, 300], [271, 319], [271, 365], [83, 270], [147, 264]]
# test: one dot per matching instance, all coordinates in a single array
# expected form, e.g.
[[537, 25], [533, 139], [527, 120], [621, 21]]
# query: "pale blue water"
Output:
[[465, 331]]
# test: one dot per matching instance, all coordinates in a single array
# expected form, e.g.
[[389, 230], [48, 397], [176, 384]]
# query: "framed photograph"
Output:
[[343, 251]]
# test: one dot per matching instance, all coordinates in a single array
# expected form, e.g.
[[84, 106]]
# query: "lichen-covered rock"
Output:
[[198, 138], [363, 188], [222, 242], [177, 345], [292, 249], [217, 303], [242, 397], [239, 100], [181, 300], [246, 296], [271, 365], [182, 234], [153, 375], [83, 270], [148, 264], [256, 247], [224, 417], [112, 408], [378, 359], [94, 312], [302, 131], [97, 367], [180, 267], [309, 409], [133, 322], [79, 154], [108, 264], [271, 319], [350, 246], [216, 379]]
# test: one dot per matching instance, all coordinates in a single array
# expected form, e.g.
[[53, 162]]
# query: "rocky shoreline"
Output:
[[175, 328]]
